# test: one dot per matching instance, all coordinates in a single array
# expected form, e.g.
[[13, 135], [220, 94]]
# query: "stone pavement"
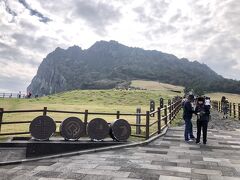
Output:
[[168, 157], [218, 122]]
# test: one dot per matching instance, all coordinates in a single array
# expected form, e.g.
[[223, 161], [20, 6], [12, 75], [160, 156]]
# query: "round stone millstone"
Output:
[[98, 129], [42, 127], [72, 128], [120, 130]]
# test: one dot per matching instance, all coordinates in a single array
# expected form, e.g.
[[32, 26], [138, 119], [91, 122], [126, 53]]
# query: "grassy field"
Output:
[[235, 98], [153, 85], [79, 100]]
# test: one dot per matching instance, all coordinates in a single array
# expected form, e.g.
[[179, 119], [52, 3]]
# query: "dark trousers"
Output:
[[188, 133], [202, 125]]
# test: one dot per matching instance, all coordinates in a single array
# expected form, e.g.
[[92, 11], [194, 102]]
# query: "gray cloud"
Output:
[[34, 12], [156, 27], [199, 9], [219, 32], [28, 26], [197, 34], [160, 30], [8, 53], [158, 10], [175, 17], [98, 15], [219, 57], [9, 10], [41, 44], [10, 83], [158, 7], [142, 16]]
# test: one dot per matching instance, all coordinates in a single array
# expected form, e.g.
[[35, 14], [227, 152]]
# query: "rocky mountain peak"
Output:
[[106, 64]]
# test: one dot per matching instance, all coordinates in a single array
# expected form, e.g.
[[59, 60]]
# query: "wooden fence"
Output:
[[233, 108], [154, 122]]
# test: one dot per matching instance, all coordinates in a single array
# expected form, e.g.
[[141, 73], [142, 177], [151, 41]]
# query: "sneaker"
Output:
[[198, 142], [189, 140], [204, 143]]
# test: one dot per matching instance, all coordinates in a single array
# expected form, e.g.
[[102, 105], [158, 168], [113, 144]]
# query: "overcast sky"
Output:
[[204, 30]]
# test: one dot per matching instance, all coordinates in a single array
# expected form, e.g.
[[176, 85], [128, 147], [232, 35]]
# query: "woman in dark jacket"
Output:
[[203, 112]]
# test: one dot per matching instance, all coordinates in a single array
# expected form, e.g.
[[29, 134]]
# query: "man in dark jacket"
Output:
[[187, 116], [203, 111]]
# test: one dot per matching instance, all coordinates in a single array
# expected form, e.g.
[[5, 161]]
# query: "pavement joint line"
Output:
[[164, 131]]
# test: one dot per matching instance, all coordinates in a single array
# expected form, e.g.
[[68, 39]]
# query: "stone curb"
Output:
[[164, 131]]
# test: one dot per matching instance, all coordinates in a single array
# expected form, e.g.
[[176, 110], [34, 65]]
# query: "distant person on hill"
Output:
[[187, 116], [222, 101], [29, 95], [203, 111], [225, 107], [19, 94]]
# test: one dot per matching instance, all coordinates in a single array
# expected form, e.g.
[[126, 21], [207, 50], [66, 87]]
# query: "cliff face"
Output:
[[105, 65]]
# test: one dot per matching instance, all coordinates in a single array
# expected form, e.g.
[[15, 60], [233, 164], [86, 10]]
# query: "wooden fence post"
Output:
[[147, 124], [165, 114], [138, 120], [159, 120], [220, 106], [161, 103], [173, 109], [152, 107], [118, 114], [44, 111], [170, 110], [234, 110], [85, 121], [230, 109], [1, 117], [238, 111]]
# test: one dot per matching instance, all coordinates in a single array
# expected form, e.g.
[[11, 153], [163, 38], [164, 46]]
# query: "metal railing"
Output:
[[12, 95]]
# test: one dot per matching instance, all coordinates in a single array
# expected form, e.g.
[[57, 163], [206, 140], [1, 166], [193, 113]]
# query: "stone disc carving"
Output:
[[98, 129], [42, 127], [72, 128], [120, 130]]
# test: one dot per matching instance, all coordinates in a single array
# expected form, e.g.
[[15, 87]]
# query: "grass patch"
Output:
[[178, 121], [235, 98], [154, 85]]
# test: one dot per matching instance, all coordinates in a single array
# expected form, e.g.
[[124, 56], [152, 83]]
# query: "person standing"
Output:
[[183, 100], [203, 111], [19, 94], [187, 116], [225, 107]]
